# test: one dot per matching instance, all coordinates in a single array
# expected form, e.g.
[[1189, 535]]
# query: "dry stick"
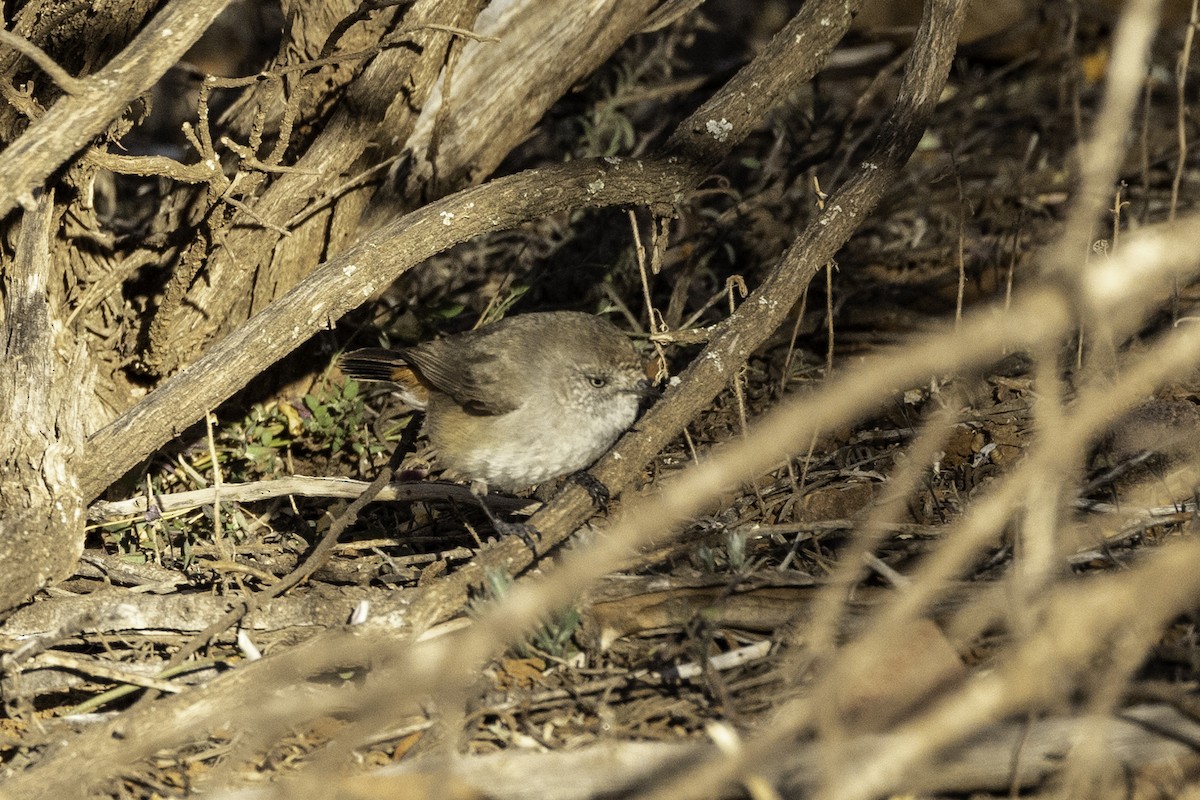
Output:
[[65, 81], [107, 672], [962, 235], [95, 101], [315, 560], [133, 509], [347, 280]]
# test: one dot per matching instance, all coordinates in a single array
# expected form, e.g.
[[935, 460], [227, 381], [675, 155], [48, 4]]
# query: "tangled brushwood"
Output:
[[911, 516]]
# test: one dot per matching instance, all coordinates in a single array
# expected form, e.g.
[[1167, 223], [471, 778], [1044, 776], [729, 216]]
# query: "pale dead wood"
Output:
[[30, 681], [68, 83], [75, 764], [497, 91], [269, 119], [98, 669], [623, 605], [309, 33], [41, 521], [75, 119], [123, 611], [87, 37], [359, 566], [300, 486]]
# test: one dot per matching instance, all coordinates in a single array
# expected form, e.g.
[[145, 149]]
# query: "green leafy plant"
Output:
[[551, 638]]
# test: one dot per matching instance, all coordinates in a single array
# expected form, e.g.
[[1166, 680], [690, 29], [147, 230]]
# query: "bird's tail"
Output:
[[372, 364], [379, 364]]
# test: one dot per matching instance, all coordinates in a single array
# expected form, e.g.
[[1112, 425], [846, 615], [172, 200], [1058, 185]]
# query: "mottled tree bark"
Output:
[[41, 438]]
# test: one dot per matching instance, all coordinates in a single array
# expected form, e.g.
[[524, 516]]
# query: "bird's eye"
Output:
[[598, 381]]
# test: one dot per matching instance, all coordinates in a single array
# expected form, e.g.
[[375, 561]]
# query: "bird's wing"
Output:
[[488, 381]]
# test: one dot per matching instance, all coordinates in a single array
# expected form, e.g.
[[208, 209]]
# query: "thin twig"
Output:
[[1182, 107], [107, 512], [98, 669], [315, 560]]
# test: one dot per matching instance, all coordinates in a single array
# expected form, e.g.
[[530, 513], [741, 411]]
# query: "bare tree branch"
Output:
[[100, 98]]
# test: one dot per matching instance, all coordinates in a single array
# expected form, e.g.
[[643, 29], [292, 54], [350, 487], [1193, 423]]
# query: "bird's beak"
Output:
[[646, 390]]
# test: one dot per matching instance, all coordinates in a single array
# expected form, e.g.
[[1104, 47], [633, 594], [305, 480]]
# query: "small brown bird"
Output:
[[520, 401]]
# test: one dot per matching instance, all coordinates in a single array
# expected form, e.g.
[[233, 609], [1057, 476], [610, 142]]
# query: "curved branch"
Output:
[[63, 79]]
